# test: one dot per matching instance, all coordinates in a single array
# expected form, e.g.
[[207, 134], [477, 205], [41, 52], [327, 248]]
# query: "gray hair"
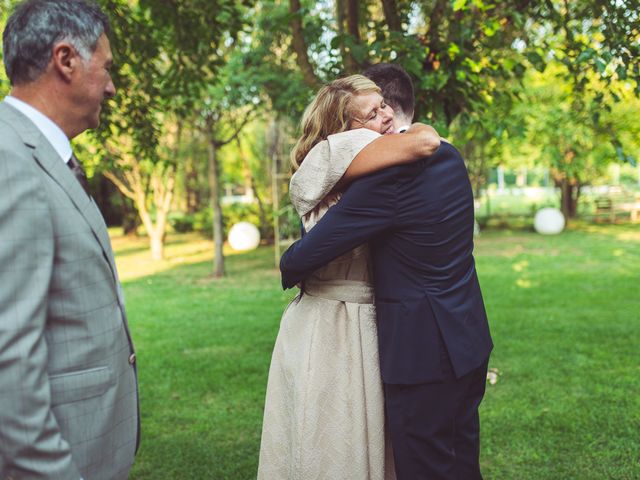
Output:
[[37, 25]]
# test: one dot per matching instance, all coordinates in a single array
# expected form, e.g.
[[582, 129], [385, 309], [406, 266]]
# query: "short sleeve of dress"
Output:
[[324, 166]]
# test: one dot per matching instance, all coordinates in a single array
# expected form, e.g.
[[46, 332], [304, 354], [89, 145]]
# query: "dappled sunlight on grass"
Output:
[[563, 315], [508, 246], [520, 266], [524, 283], [134, 261], [626, 232], [629, 236], [515, 244]]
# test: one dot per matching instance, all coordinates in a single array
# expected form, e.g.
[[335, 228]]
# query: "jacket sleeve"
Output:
[[366, 209], [31, 444]]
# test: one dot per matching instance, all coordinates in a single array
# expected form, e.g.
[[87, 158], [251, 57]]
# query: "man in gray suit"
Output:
[[68, 388]]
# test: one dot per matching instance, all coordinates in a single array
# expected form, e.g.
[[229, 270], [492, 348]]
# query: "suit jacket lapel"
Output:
[[55, 167], [49, 160]]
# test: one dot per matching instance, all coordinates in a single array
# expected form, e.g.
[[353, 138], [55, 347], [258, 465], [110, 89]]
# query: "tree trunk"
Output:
[[569, 193], [192, 201], [214, 186], [391, 15], [250, 184], [347, 16], [130, 217], [159, 233], [156, 239], [353, 19], [300, 46], [265, 227], [162, 183]]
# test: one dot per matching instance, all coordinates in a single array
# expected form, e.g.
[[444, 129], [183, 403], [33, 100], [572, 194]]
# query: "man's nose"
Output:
[[110, 90]]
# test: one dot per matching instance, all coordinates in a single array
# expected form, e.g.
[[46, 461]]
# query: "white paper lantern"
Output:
[[549, 221], [244, 236]]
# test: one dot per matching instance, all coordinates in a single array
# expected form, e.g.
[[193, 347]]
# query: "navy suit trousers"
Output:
[[435, 427]]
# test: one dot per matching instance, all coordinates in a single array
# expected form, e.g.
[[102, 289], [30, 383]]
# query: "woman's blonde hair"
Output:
[[330, 112]]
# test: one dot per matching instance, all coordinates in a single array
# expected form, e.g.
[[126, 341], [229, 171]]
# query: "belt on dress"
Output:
[[350, 291]]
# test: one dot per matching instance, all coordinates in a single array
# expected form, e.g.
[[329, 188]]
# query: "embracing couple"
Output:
[[380, 363]]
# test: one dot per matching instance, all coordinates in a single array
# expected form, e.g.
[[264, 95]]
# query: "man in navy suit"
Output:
[[433, 332]]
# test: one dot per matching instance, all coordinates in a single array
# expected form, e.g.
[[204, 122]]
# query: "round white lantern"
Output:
[[549, 221], [244, 236]]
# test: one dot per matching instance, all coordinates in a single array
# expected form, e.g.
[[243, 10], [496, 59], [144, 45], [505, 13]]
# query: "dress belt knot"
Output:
[[350, 291]]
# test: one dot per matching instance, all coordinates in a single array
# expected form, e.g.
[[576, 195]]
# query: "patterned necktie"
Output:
[[79, 173]]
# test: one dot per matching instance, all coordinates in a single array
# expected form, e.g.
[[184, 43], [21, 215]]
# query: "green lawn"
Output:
[[565, 317]]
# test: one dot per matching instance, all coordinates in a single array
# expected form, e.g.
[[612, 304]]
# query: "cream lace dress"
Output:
[[324, 408]]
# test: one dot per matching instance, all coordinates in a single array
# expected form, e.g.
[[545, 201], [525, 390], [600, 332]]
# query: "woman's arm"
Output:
[[418, 142], [359, 152]]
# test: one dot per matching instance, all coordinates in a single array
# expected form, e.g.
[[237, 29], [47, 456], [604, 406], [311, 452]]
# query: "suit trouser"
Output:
[[435, 427]]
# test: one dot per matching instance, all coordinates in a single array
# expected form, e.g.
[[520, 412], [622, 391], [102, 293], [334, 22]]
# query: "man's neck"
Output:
[[46, 100], [401, 120]]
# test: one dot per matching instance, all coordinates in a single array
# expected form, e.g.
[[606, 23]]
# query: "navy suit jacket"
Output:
[[418, 220]]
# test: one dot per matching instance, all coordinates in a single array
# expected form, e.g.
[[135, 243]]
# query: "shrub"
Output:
[[181, 222]]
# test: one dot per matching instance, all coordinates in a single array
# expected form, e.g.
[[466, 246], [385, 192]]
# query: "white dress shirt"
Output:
[[52, 132]]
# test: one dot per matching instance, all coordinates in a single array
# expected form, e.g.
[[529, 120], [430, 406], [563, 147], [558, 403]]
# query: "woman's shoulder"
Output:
[[351, 141], [324, 166]]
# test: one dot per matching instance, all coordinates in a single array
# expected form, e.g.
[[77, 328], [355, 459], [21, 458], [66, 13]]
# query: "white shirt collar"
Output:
[[52, 132]]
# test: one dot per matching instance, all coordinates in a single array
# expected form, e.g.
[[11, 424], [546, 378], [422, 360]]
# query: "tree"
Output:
[[595, 49], [149, 183], [220, 128], [169, 52], [134, 140], [228, 102], [205, 39], [560, 131]]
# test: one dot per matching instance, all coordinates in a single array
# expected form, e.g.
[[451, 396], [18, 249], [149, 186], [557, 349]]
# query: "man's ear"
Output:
[[65, 60]]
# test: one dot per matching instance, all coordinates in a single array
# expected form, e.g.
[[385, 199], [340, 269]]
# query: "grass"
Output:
[[565, 317]]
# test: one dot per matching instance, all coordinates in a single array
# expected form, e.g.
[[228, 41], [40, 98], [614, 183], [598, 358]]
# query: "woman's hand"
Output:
[[417, 142], [428, 138]]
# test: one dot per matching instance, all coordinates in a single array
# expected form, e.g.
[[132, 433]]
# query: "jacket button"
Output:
[[132, 358]]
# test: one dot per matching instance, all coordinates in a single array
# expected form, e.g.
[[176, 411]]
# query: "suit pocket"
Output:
[[80, 385]]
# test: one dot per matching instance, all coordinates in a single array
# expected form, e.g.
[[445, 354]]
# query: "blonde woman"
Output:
[[324, 408]]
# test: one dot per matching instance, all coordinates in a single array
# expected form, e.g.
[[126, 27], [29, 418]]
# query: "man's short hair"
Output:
[[396, 86], [37, 25]]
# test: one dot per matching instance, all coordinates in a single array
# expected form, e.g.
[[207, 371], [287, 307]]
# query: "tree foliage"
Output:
[[201, 84], [462, 54]]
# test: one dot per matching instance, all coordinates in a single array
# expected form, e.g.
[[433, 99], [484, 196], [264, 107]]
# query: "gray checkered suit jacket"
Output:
[[68, 389]]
